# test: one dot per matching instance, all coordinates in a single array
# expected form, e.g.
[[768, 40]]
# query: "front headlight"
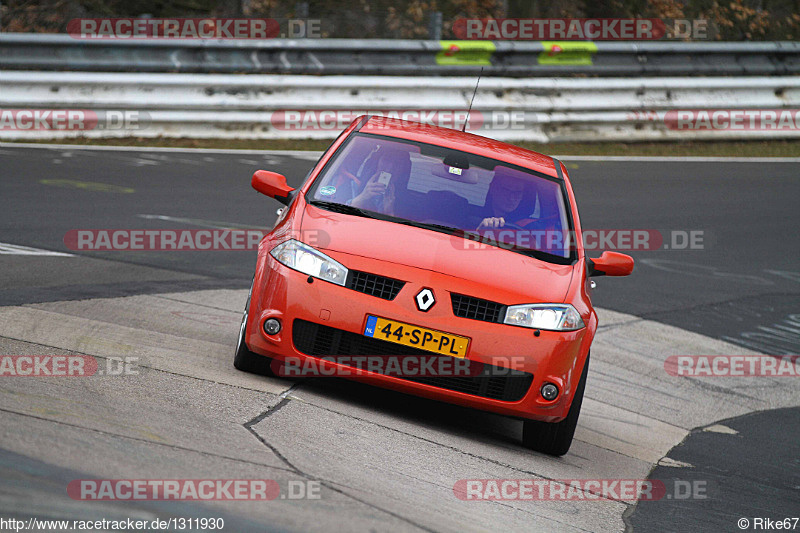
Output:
[[303, 258], [557, 317]]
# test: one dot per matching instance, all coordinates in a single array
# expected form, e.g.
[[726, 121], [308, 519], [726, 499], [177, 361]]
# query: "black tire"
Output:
[[556, 438], [245, 360]]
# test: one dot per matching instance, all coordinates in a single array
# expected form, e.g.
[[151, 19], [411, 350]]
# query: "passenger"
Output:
[[389, 182]]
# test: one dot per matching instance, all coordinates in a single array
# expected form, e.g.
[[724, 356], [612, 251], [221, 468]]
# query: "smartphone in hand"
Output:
[[384, 177]]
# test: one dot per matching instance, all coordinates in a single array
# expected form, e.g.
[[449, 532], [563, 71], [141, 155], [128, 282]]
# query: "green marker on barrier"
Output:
[[567, 53], [470, 53]]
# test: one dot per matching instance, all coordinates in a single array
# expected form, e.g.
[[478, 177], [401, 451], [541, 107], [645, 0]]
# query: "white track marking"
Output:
[[216, 224], [666, 461], [719, 428], [15, 249]]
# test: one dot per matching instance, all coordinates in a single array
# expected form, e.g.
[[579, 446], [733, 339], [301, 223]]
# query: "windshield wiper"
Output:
[[350, 210], [341, 208], [541, 255], [432, 226]]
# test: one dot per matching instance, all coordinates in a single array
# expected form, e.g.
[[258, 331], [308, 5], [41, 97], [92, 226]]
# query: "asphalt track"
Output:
[[384, 461]]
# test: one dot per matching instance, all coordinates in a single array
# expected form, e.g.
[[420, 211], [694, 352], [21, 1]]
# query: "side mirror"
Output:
[[611, 264], [273, 185]]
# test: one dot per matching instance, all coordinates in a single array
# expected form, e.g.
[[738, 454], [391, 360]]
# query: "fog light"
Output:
[[549, 391], [272, 326]]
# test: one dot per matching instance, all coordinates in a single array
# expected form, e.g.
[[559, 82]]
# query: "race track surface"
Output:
[[383, 461]]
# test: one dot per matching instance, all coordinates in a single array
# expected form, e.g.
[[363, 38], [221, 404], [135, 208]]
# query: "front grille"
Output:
[[372, 284], [476, 308], [319, 341]]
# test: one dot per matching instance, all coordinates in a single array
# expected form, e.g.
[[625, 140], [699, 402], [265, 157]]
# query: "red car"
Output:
[[433, 262]]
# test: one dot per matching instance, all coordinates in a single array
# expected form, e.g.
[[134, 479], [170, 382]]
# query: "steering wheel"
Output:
[[511, 225], [507, 225], [548, 222]]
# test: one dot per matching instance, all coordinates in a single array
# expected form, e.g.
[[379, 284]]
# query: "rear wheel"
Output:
[[556, 438], [245, 360]]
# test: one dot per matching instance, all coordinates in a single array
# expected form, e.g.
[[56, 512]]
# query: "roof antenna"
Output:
[[464, 129]]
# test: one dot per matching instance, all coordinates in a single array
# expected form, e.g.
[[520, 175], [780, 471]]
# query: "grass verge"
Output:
[[772, 148]]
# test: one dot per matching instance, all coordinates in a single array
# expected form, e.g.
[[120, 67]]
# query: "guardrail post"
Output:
[[435, 26]]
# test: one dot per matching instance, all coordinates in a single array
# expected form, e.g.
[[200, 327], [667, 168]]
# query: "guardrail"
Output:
[[399, 57], [274, 106]]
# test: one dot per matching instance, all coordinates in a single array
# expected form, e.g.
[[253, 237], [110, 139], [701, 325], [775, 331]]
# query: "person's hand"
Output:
[[492, 222], [372, 190]]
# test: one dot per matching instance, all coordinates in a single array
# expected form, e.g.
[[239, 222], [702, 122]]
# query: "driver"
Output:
[[504, 202], [381, 190]]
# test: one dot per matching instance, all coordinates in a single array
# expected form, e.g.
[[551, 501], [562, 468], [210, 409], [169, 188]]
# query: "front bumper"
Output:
[[285, 294]]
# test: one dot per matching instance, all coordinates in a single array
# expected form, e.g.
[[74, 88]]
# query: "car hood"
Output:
[[504, 271]]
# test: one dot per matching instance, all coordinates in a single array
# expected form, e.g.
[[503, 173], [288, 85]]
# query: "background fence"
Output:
[[585, 92], [400, 57]]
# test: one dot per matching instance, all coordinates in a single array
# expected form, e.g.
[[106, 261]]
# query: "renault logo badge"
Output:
[[425, 300]]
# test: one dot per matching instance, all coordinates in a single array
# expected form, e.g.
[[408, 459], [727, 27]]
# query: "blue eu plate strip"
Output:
[[369, 330]]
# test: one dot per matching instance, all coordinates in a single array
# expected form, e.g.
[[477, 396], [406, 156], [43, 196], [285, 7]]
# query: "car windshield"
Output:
[[463, 194]]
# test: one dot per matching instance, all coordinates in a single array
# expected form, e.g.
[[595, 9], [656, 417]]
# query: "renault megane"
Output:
[[414, 242]]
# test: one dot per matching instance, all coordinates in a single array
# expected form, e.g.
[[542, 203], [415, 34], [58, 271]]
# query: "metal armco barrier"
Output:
[[275, 106], [399, 57]]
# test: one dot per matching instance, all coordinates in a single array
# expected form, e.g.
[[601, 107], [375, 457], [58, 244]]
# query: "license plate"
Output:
[[430, 340]]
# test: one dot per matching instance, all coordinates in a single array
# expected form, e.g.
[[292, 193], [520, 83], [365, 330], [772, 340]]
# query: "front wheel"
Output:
[[245, 360], [556, 438]]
